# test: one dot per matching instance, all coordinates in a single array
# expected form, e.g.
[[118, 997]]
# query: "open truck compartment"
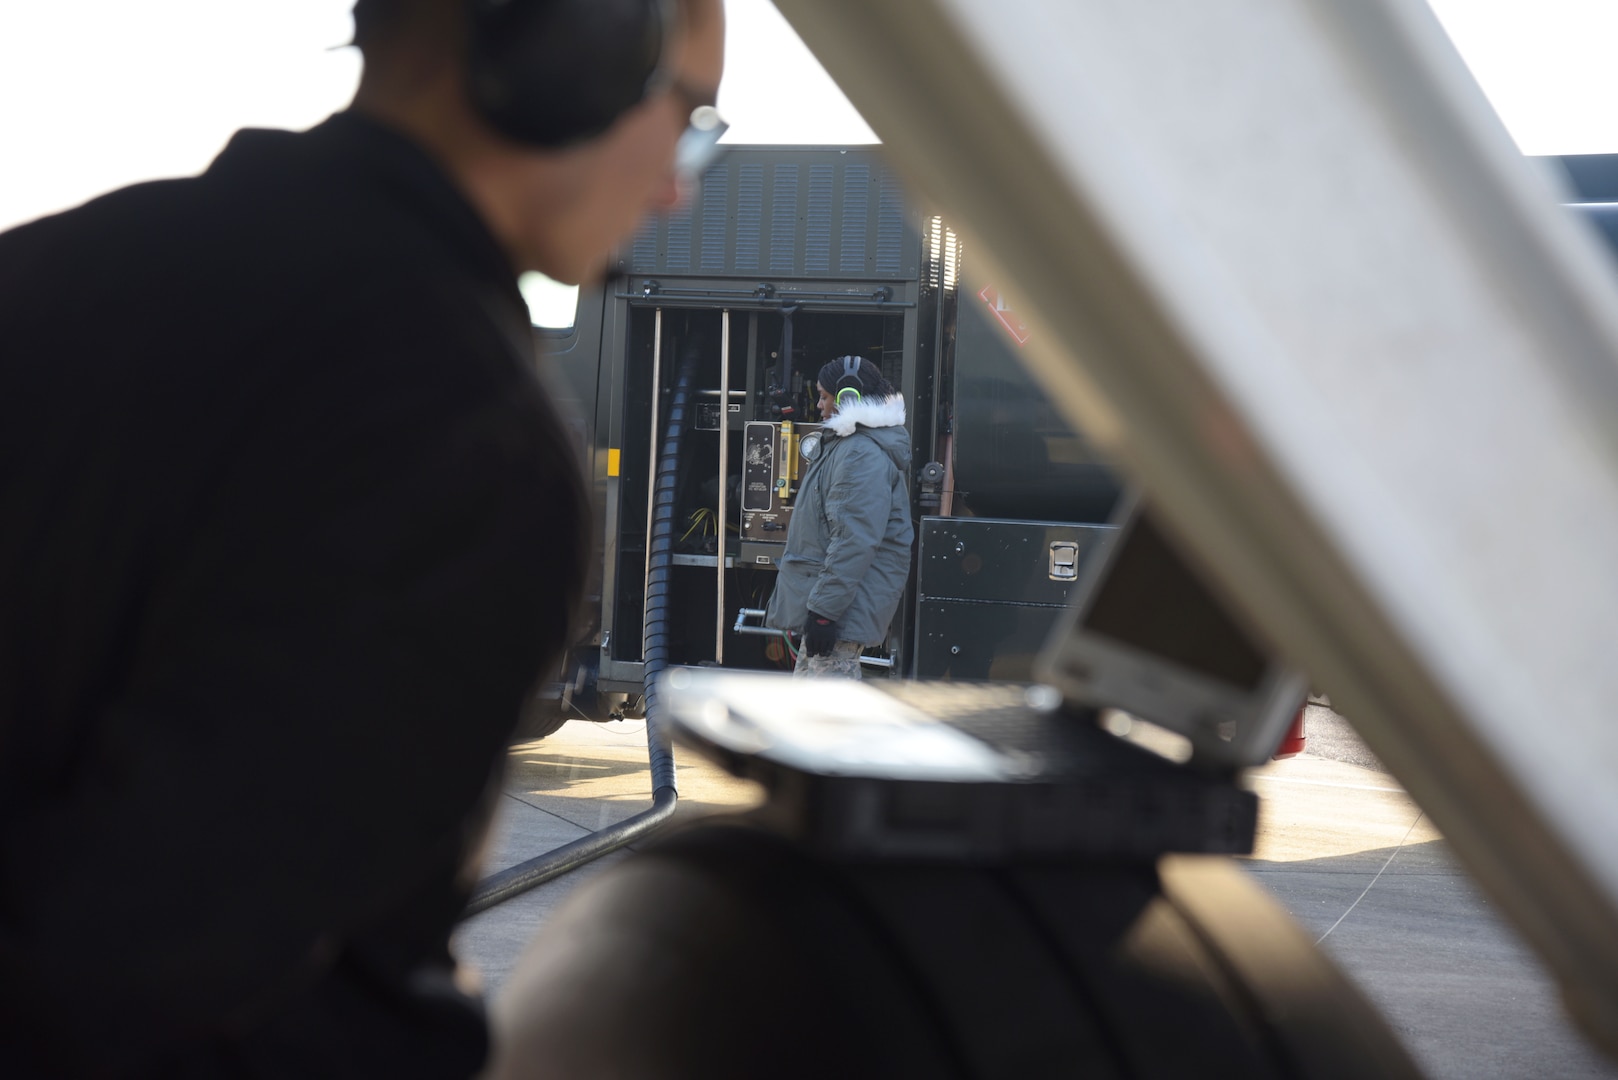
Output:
[[787, 258]]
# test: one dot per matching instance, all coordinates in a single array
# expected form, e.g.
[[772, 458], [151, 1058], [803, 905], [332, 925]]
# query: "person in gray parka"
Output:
[[848, 545]]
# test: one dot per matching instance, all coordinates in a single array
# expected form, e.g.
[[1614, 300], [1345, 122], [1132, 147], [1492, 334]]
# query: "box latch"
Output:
[[1064, 560]]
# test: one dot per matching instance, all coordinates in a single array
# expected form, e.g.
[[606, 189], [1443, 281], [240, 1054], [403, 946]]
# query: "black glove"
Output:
[[819, 635]]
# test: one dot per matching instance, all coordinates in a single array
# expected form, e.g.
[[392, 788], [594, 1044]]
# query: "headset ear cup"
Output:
[[850, 388], [547, 73]]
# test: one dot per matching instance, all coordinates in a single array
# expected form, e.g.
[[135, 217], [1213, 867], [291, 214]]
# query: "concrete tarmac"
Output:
[[1341, 845], [1358, 865]]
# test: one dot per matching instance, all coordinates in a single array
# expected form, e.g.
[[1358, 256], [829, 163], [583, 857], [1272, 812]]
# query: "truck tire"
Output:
[[541, 716], [1150, 970]]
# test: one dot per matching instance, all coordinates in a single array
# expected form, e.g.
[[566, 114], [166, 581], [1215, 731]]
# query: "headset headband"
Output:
[[548, 73], [851, 374]]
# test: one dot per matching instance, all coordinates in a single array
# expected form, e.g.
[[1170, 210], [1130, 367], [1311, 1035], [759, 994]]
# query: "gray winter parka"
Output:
[[848, 546]]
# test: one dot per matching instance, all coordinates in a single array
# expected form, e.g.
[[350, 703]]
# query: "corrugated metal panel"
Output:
[[715, 195], [817, 225], [749, 217], [645, 250], [890, 227], [678, 253], [934, 274], [784, 220], [856, 218], [784, 212]]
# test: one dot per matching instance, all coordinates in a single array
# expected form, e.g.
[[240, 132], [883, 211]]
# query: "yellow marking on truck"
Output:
[[612, 461]]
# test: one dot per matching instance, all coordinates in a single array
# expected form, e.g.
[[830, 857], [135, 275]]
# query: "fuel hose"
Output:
[[518, 879]]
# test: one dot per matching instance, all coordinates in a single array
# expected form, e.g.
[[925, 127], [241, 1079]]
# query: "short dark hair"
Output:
[[375, 21]]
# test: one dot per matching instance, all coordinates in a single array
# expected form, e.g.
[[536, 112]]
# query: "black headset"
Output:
[[850, 387], [547, 73]]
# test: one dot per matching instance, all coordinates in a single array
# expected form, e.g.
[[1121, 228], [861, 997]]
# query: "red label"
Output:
[[1008, 318]]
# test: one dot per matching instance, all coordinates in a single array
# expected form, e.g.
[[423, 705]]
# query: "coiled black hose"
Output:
[[502, 886], [659, 575]]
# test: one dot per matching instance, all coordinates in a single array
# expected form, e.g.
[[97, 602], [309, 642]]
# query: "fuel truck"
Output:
[[786, 258]]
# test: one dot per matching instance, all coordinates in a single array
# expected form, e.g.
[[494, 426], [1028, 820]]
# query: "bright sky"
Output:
[[95, 94]]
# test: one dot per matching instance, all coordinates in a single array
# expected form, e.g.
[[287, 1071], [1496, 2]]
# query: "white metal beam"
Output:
[[1282, 259]]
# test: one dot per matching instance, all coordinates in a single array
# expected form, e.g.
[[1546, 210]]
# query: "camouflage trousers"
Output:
[[843, 662]]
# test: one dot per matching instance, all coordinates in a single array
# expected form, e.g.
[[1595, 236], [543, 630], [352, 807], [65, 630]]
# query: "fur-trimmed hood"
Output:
[[882, 420], [872, 413]]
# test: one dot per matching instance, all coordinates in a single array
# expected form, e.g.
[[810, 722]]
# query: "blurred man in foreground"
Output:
[[289, 532]]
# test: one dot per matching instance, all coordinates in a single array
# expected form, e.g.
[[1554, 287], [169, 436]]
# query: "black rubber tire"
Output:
[[540, 717], [1106, 970]]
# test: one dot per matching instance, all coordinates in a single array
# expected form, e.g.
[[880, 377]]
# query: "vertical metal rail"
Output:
[[651, 465], [724, 482]]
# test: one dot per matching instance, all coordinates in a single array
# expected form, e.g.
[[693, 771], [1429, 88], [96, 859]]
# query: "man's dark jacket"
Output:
[[287, 531]]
